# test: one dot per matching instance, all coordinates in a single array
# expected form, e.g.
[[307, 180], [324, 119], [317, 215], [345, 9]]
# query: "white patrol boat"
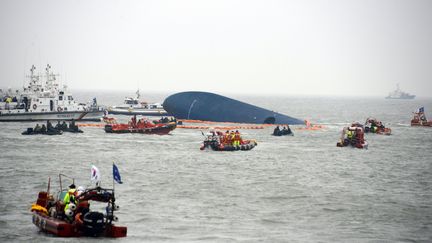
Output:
[[399, 94], [132, 106], [43, 99]]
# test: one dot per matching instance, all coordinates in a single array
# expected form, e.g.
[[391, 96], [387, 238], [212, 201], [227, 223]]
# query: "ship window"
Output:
[[60, 97], [70, 97]]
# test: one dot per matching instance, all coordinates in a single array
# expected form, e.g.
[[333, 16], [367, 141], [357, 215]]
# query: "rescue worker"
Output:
[[37, 129], [49, 126], [350, 134], [43, 129], [134, 121], [70, 202], [232, 138], [64, 126], [237, 138], [227, 139], [72, 125], [276, 130]]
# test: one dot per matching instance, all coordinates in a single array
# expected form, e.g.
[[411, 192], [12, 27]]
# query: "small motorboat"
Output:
[[419, 119], [133, 106], [217, 141], [282, 132], [353, 136], [142, 126], [372, 125], [50, 216]]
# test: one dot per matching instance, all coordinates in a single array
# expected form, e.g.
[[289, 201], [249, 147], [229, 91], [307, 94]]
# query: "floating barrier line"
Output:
[[90, 125]]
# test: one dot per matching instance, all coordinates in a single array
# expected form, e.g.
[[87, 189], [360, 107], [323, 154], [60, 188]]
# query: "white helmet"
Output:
[[72, 206], [69, 213]]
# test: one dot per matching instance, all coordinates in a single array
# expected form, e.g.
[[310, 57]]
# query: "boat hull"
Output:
[[60, 116], [421, 124], [124, 128], [247, 145], [64, 229], [212, 107]]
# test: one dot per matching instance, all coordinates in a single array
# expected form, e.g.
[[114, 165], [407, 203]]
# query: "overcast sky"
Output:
[[253, 47]]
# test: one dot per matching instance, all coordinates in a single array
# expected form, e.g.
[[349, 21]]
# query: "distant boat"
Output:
[[399, 94], [42, 98], [133, 106], [212, 107]]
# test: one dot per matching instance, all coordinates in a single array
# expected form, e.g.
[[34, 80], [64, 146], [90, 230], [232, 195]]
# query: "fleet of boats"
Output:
[[42, 99]]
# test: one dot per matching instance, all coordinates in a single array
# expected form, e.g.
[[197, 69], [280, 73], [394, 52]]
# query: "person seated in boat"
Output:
[[237, 138], [72, 124], [286, 130], [134, 121], [64, 125], [37, 128], [50, 127], [58, 126], [350, 134], [43, 129], [276, 131]]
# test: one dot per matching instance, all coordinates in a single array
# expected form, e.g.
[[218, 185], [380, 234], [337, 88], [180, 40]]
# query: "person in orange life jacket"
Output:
[[232, 138], [133, 121], [226, 139], [237, 138]]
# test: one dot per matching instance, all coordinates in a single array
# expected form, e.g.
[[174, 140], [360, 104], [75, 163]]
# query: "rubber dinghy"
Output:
[[212, 107], [50, 216], [372, 125], [353, 136], [419, 119], [142, 126], [217, 141], [31, 131]]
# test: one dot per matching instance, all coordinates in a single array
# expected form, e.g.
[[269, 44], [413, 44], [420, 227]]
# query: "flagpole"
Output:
[[113, 179]]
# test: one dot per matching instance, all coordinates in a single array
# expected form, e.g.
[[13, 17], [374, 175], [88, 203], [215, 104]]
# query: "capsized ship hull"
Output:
[[206, 106]]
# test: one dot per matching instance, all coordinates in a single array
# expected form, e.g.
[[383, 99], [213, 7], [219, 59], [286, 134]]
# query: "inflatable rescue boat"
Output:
[[50, 216], [372, 125], [218, 141], [353, 136], [142, 126], [419, 119]]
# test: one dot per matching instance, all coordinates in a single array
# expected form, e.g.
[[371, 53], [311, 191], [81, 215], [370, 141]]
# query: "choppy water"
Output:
[[290, 189]]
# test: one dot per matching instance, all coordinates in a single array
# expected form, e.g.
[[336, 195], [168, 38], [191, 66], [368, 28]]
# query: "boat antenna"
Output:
[[49, 184]]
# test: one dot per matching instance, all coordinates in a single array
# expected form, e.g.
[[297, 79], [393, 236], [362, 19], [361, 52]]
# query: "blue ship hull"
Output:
[[212, 107]]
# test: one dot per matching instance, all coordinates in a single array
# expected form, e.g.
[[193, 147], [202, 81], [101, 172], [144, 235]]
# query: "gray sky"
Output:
[[300, 47]]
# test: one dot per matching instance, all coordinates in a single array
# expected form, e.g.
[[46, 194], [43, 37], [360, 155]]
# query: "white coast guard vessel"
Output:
[[133, 106], [399, 94], [43, 99]]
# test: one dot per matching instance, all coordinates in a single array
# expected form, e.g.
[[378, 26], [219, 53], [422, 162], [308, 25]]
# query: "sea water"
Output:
[[287, 189]]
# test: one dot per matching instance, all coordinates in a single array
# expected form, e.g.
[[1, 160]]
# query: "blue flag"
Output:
[[116, 174]]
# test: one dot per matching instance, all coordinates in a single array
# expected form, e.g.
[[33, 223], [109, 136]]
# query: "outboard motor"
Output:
[[94, 223]]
